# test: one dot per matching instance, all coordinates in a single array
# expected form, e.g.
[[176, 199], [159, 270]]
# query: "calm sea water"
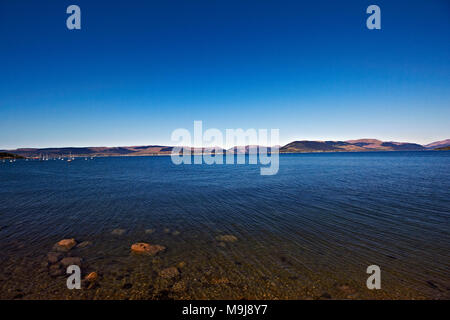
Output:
[[308, 232]]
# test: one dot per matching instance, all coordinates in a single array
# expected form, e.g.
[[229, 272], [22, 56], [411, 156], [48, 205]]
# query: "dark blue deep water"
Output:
[[308, 232]]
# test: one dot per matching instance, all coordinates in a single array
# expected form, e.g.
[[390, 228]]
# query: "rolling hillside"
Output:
[[301, 146]]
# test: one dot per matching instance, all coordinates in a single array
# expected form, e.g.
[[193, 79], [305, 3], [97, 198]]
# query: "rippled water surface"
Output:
[[308, 232]]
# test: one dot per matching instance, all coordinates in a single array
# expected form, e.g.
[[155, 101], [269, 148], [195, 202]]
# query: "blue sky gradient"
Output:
[[137, 70]]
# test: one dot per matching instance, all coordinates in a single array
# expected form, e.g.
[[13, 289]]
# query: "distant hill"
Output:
[[319, 146], [374, 144], [438, 144], [349, 146], [7, 155], [301, 146], [443, 148], [366, 143]]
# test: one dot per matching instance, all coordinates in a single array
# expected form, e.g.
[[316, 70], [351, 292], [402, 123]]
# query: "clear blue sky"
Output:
[[137, 70]]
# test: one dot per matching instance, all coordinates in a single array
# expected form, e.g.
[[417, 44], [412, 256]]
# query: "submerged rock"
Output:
[[146, 248], [65, 245], [91, 277], [347, 290], [149, 231], [84, 244], [140, 247], [54, 257], [68, 261], [226, 238], [55, 270], [118, 232], [169, 273]]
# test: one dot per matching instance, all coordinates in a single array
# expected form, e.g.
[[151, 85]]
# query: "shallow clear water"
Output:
[[308, 232]]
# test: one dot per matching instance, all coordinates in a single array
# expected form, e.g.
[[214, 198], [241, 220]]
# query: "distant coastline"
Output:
[[7, 155], [301, 146]]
